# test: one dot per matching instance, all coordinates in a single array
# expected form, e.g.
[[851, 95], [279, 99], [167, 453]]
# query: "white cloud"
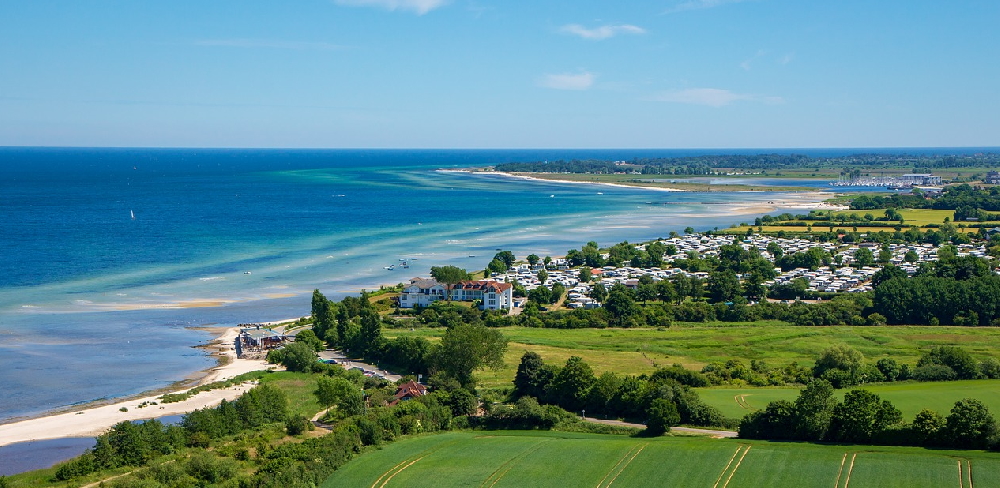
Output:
[[601, 32], [421, 7], [581, 81], [272, 44], [712, 97], [697, 5], [787, 58]]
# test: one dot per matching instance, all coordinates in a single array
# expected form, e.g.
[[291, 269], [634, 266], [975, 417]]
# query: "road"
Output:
[[712, 433], [348, 363]]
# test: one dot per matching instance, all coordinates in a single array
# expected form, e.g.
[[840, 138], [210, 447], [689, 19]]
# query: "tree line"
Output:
[[865, 418]]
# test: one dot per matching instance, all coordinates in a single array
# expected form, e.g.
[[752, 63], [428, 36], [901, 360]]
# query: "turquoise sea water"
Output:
[[95, 303]]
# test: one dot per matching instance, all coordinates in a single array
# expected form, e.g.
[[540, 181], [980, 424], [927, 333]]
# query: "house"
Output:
[[408, 391], [494, 295], [992, 178], [421, 292]]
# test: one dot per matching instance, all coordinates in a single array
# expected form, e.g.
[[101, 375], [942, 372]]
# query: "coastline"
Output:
[[755, 208], [90, 420]]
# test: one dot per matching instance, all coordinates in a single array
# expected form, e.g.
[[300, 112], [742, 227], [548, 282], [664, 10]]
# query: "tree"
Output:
[[496, 266], [557, 292], [449, 275], [533, 259], [532, 376], [585, 275], [505, 257], [661, 414], [540, 295], [839, 357], [723, 286], [813, 410], [322, 314], [599, 293], [956, 358], [927, 427], [689, 230], [298, 356], [911, 256], [340, 392], [543, 276], [309, 337], [620, 305], [571, 384], [861, 416], [970, 425], [370, 341], [863, 257], [468, 347]]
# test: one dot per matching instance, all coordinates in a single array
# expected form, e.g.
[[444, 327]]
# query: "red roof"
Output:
[[410, 389]]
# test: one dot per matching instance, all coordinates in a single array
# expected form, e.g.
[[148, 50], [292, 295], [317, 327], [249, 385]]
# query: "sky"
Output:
[[500, 73]]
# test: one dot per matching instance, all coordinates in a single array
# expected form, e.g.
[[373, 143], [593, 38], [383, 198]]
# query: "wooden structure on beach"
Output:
[[258, 340]]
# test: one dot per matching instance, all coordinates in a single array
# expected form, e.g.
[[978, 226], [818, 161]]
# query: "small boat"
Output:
[[247, 272], [132, 214], [389, 268], [600, 193], [552, 196]]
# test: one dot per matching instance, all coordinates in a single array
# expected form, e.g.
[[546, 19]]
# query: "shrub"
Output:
[[934, 372]]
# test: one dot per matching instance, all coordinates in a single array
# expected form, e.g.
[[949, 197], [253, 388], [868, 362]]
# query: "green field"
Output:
[[641, 350], [556, 459], [910, 397]]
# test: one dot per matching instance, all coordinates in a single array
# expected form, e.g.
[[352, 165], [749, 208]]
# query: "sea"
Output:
[[113, 261]]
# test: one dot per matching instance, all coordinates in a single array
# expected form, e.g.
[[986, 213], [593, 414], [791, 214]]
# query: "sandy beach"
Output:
[[756, 208], [93, 421]]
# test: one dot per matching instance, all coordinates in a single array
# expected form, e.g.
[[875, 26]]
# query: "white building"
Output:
[[422, 292]]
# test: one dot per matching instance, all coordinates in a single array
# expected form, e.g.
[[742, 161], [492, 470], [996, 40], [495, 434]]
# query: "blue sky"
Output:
[[500, 74]]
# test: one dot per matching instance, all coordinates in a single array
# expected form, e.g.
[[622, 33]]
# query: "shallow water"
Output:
[[95, 303]]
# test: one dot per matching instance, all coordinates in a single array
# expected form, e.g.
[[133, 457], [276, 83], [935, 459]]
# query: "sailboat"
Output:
[[132, 214]]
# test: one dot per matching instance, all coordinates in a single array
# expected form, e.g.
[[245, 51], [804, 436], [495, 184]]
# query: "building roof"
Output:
[[410, 389]]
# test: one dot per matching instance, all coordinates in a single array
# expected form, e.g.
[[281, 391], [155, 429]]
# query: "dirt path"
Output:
[[688, 430]]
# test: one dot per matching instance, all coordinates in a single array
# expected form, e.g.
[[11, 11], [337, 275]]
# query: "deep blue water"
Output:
[[93, 303]]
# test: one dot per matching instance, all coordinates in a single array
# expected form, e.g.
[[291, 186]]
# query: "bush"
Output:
[[298, 424], [934, 372]]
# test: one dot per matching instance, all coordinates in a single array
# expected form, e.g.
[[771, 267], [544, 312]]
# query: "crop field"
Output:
[[910, 397], [641, 350], [556, 459]]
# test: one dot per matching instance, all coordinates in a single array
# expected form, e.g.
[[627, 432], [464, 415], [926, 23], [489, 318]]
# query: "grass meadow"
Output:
[[557, 459], [642, 350], [910, 397]]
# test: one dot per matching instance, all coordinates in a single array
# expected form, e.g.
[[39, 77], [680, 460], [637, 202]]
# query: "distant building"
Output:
[[920, 179], [992, 178]]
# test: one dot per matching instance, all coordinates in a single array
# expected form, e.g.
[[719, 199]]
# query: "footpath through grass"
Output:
[[557, 459]]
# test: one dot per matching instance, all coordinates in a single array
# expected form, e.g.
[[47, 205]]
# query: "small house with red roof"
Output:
[[408, 391]]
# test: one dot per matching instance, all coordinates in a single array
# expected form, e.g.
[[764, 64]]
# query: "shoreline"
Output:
[[756, 207], [94, 418]]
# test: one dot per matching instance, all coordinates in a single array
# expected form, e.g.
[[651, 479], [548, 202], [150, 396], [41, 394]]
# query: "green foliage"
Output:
[[662, 415], [297, 356], [861, 417], [532, 377], [957, 359], [970, 425], [466, 348], [309, 338]]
